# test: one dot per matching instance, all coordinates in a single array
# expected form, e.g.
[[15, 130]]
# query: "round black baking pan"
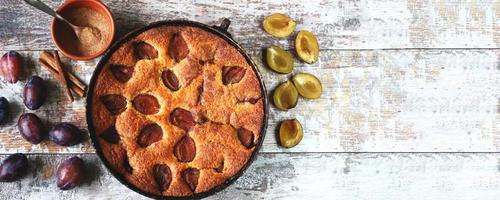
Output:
[[220, 31]]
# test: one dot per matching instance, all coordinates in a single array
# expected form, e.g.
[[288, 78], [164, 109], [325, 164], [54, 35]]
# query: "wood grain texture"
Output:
[[373, 101], [306, 176], [339, 24], [434, 99]]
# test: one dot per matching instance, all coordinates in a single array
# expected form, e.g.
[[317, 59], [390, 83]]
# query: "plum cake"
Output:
[[177, 110]]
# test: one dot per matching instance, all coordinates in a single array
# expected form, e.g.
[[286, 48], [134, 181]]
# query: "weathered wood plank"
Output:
[[373, 101], [359, 24], [301, 176]]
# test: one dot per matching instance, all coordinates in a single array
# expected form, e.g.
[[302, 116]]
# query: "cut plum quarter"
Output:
[[246, 137], [114, 103], [162, 176], [121, 73], [307, 47], [150, 134], [146, 104], [307, 85], [279, 60], [183, 119], [170, 80], [232, 74], [290, 133], [178, 48], [185, 149], [191, 176], [143, 50], [279, 25], [285, 96], [110, 135]]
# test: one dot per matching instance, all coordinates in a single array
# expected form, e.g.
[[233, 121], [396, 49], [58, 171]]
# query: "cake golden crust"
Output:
[[217, 101]]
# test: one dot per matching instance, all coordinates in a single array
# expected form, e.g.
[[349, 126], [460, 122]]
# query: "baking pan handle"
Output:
[[224, 25]]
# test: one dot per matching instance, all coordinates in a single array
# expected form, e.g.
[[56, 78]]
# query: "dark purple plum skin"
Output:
[[34, 93], [65, 134], [70, 173], [31, 128], [4, 110], [13, 167]]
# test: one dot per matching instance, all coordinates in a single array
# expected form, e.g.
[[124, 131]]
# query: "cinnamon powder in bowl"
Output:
[[94, 39]]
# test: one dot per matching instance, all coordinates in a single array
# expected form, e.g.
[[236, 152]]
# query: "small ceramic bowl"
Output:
[[59, 29]]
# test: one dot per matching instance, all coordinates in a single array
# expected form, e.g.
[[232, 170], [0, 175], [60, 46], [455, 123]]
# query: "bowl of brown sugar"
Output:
[[96, 36]]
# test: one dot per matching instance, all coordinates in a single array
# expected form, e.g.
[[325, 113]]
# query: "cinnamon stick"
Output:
[[77, 90], [51, 61], [48, 62], [63, 75]]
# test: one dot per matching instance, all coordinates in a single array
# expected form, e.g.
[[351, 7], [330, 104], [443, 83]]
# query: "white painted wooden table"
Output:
[[410, 110]]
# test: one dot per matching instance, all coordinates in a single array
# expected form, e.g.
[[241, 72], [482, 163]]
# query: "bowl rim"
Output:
[[109, 17], [219, 31]]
